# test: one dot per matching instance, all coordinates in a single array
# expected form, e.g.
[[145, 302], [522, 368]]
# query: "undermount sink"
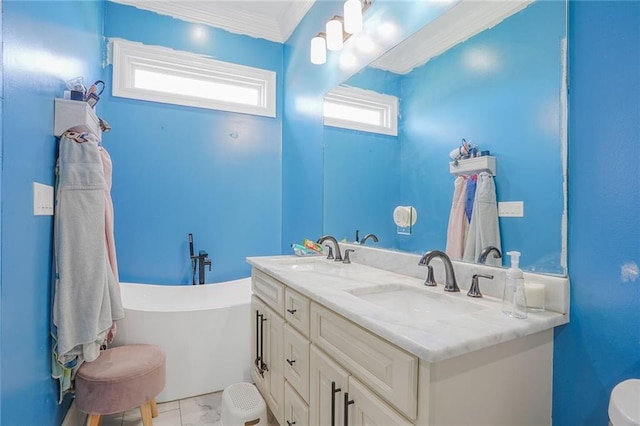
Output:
[[416, 304], [311, 264]]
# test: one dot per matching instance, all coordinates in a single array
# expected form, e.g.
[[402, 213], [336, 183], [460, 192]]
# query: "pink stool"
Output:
[[120, 379]]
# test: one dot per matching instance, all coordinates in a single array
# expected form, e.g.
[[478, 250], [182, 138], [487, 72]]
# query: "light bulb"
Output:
[[318, 50], [353, 16], [334, 34]]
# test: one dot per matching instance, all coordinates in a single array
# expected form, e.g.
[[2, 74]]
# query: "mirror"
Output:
[[503, 90]]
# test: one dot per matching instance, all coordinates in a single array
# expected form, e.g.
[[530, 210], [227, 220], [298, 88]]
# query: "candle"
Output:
[[535, 296]]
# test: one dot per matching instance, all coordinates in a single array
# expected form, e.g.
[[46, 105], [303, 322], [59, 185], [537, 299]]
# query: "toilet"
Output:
[[624, 404]]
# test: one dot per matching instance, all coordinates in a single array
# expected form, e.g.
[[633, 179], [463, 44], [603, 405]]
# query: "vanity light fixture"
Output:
[[337, 30], [319, 49]]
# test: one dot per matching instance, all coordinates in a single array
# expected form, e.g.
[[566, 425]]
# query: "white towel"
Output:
[[458, 224], [87, 298], [484, 229]]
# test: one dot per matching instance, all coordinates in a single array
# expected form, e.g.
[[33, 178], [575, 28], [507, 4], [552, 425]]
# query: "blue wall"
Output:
[[42, 49], [362, 172], [601, 345], [181, 170], [45, 44], [501, 90]]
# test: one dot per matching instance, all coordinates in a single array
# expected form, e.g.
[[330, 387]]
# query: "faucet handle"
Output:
[[330, 255], [430, 281], [474, 290], [346, 255]]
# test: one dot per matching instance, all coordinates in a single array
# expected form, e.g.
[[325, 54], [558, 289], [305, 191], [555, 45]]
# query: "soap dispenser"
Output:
[[514, 301]]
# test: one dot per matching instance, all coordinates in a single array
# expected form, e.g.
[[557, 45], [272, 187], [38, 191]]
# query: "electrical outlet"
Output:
[[42, 199], [511, 209]]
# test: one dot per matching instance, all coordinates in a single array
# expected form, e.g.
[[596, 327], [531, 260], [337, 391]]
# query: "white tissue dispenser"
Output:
[[77, 116]]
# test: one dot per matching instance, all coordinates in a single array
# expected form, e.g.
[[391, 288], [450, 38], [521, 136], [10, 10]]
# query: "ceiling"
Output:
[[273, 20]]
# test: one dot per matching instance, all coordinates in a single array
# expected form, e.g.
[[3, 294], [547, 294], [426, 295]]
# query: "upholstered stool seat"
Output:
[[120, 379]]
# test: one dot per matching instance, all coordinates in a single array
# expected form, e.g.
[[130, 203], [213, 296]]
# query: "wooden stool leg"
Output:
[[94, 420], [145, 411], [154, 408]]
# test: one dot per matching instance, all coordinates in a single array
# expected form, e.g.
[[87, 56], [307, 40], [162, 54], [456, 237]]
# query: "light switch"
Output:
[[42, 199], [511, 209]]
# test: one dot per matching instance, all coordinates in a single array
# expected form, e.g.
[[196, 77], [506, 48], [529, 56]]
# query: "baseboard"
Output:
[[74, 417]]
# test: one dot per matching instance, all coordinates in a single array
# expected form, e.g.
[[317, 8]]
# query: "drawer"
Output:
[[296, 411], [386, 369], [296, 362], [297, 311], [270, 290]]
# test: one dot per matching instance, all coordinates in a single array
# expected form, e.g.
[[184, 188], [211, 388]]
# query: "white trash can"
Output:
[[242, 405]]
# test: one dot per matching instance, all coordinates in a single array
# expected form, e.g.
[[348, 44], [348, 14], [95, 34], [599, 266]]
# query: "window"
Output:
[[358, 109], [160, 74]]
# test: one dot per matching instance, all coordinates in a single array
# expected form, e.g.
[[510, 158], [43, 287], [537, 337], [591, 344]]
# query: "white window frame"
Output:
[[385, 105], [127, 57]]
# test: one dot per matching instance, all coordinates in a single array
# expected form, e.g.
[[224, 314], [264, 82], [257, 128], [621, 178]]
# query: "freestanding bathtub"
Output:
[[203, 329]]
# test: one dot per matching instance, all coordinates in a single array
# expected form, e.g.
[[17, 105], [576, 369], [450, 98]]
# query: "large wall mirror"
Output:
[[503, 89]]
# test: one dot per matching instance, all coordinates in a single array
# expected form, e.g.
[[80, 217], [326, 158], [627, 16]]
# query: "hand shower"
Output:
[[193, 260]]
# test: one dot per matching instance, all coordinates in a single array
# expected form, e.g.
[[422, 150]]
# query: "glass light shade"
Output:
[[353, 16], [318, 50], [334, 34]]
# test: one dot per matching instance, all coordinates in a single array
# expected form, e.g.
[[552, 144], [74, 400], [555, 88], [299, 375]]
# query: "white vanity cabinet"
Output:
[[324, 369]]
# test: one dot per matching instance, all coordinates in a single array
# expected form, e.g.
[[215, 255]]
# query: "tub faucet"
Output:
[[450, 276], [482, 258], [338, 257], [366, 237], [203, 260]]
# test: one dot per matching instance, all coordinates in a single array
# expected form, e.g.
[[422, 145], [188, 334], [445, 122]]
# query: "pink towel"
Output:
[[458, 224], [110, 241], [108, 217]]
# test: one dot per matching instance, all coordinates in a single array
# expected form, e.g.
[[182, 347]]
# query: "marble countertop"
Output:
[[336, 285]]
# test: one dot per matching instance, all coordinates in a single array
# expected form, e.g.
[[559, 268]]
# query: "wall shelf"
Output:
[[474, 165], [77, 116]]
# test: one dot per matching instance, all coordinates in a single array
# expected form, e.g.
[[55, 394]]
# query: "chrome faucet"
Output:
[[338, 257], [366, 237], [482, 258], [450, 277]]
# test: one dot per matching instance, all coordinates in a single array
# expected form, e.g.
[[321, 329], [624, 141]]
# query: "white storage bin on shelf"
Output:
[[75, 115], [474, 165]]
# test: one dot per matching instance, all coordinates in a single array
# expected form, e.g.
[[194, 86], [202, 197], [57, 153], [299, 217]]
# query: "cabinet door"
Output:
[[365, 408], [296, 357], [267, 351], [257, 312], [327, 384], [274, 358], [296, 411]]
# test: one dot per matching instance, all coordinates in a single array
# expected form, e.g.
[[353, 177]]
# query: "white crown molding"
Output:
[[461, 22], [274, 24], [293, 15]]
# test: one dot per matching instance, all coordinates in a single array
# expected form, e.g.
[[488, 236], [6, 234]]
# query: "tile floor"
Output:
[[196, 411], [203, 410]]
